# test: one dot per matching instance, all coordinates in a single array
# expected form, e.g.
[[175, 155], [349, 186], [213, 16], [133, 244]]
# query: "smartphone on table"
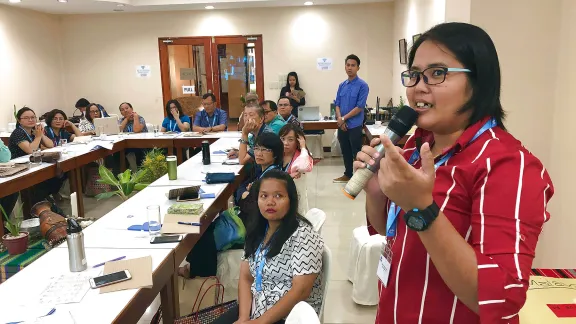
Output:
[[166, 239], [109, 279]]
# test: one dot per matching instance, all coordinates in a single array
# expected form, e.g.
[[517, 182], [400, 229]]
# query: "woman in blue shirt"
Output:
[[56, 122], [175, 120]]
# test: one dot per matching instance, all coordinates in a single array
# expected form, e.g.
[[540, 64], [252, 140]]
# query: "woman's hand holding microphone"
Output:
[[394, 178]]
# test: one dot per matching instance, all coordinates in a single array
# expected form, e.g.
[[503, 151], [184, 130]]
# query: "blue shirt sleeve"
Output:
[[362, 96], [185, 119], [5, 154], [165, 123], [223, 120], [198, 118], [337, 101]]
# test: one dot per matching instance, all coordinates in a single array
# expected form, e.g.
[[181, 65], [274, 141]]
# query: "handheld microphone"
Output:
[[397, 128]]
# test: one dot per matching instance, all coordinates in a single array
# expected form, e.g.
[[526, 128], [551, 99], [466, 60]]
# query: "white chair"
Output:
[[302, 313], [364, 255], [326, 261], [317, 217], [314, 145], [228, 272], [302, 194]]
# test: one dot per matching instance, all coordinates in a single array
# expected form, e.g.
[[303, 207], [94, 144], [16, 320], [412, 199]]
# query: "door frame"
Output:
[[163, 43], [259, 51]]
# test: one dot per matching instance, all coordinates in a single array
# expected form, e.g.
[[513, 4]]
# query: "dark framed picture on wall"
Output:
[[415, 37], [402, 50]]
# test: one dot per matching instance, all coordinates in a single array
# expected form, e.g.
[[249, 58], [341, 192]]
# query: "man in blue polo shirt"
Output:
[[350, 103], [211, 119]]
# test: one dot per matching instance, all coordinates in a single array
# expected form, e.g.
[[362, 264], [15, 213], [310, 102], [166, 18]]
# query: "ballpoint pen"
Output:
[[190, 223], [101, 264]]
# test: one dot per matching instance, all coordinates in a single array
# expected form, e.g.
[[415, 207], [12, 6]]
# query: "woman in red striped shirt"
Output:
[[463, 204]]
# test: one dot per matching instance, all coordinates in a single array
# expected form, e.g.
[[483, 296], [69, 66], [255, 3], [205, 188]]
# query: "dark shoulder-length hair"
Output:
[[273, 142], [256, 227], [22, 111], [50, 116], [178, 106], [87, 114], [474, 48], [295, 75], [291, 127]]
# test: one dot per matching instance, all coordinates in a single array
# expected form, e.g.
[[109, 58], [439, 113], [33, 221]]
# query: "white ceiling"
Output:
[[108, 6]]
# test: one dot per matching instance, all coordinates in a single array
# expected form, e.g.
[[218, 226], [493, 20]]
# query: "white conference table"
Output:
[[108, 238], [21, 292]]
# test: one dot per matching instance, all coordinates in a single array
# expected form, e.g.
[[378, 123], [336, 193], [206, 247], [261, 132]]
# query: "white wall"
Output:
[[536, 57], [30, 62], [411, 17], [556, 248], [100, 51]]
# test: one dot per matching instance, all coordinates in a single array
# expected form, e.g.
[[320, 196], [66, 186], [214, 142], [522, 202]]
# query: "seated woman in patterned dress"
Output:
[[282, 263]]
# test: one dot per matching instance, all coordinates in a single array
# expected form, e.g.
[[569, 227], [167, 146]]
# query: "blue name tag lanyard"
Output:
[[213, 120], [394, 211], [25, 132], [261, 259]]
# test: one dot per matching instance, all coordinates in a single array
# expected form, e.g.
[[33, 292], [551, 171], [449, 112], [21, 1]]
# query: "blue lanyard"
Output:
[[173, 127], [272, 167], [213, 119], [54, 138], [25, 132], [262, 259], [129, 127], [393, 211]]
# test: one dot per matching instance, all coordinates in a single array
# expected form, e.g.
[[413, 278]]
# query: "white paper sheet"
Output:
[[65, 289]]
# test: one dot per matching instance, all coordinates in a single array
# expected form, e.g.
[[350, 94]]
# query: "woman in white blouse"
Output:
[[282, 263], [87, 125]]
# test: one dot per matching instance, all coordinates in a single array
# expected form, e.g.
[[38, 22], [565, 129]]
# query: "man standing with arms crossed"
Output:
[[350, 103]]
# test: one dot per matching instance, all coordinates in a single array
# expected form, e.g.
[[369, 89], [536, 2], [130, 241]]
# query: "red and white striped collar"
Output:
[[422, 136]]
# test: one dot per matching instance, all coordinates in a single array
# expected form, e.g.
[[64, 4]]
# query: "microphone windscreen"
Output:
[[403, 120]]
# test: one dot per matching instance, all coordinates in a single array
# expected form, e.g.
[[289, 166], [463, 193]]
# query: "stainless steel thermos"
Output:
[[76, 251]]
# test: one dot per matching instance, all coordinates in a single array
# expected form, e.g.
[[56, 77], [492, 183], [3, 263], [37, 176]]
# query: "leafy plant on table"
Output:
[[156, 165], [13, 225], [125, 183]]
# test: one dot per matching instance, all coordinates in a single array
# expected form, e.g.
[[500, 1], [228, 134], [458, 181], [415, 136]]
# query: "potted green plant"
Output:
[[15, 241], [125, 183], [155, 164]]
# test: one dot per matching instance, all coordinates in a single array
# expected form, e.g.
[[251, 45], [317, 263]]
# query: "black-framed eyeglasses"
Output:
[[262, 149], [431, 76]]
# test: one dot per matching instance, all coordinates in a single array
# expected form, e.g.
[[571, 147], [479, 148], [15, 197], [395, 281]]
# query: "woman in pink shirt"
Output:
[[297, 160]]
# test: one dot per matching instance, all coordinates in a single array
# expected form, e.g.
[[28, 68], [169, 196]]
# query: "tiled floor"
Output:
[[343, 215]]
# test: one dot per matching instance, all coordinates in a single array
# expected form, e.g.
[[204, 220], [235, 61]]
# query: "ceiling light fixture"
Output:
[[120, 5], [14, 1], [209, 7], [308, 3], [62, 1]]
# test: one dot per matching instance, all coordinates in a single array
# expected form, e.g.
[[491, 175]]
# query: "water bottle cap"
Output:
[[73, 226]]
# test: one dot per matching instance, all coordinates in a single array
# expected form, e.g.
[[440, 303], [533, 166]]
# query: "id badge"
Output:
[[384, 265]]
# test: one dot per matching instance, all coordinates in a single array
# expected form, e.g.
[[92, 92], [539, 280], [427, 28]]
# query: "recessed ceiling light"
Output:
[[120, 5], [14, 1], [308, 3], [62, 1], [209, 7]]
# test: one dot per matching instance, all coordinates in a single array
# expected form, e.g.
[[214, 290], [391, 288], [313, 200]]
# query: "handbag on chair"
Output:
[[206, 315]]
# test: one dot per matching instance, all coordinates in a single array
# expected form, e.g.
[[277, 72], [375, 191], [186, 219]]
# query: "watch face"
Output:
[[416, 222]]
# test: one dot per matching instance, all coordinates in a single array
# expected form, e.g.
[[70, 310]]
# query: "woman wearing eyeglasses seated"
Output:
[[28, 136], [296, 160], [57, 121], [268, 155], [464, 203], [282, 262], [87, 124], [175, 120]]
